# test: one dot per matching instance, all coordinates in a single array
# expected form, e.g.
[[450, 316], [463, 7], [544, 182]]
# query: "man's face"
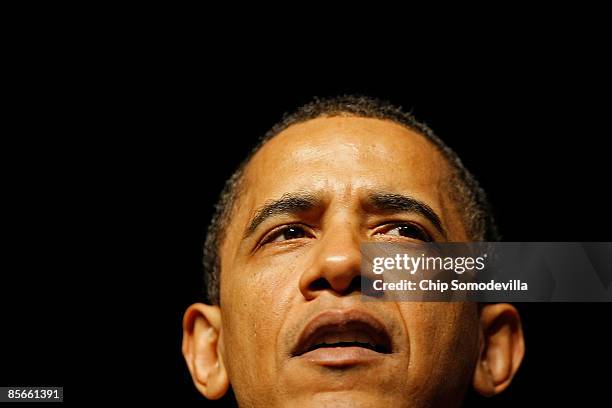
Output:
[[294, 330]]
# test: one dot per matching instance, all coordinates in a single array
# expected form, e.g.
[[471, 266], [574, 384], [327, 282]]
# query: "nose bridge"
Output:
[[340, 250], [338, 260]]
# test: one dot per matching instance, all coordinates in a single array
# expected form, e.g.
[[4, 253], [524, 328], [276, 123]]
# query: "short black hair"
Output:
[[465, 190]]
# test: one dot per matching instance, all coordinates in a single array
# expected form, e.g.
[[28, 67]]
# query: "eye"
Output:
[[407, 230], [286, 233]]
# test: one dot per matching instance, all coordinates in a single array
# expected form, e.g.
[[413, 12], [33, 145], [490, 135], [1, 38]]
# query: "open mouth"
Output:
[[336, 330]]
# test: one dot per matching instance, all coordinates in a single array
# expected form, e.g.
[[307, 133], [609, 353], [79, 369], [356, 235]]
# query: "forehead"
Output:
[[339, 153]]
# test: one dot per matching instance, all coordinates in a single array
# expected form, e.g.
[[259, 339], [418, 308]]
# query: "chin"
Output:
[[345, 398]]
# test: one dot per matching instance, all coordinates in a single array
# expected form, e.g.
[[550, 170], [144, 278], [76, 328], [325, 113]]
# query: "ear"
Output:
[[201, 333], [502, 348]]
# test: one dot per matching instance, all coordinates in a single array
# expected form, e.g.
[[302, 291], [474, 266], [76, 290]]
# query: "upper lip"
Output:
[[370, 332]]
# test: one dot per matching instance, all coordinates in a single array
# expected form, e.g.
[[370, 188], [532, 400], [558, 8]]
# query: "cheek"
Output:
[[255, 299], [443, 343], [260, 292]]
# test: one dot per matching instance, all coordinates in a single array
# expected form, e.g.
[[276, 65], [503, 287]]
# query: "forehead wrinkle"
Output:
[[295, 145]]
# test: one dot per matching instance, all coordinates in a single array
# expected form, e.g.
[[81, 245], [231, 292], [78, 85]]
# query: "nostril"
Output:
[[323, 284], [320, 284], [355, 285]]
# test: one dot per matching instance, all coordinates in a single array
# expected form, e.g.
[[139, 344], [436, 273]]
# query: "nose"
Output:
[[336, 266]]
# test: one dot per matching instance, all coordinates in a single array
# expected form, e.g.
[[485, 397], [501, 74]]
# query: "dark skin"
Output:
[[299, 264]]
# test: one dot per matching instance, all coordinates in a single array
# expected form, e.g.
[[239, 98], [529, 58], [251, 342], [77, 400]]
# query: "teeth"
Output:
[[348, 337], [362, 338], [331, 339], [345, 337]]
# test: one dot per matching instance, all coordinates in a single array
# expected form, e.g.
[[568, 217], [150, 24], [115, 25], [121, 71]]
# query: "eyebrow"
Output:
[[296, 203], [290, 203], [391, 202]]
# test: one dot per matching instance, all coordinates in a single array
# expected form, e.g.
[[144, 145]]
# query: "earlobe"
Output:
[[201, 349], [502, 348]]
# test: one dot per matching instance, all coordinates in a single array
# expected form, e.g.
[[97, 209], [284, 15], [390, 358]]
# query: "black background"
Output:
[[114, 165]]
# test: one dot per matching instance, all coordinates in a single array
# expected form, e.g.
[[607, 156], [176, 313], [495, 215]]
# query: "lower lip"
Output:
[[341, 356]]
